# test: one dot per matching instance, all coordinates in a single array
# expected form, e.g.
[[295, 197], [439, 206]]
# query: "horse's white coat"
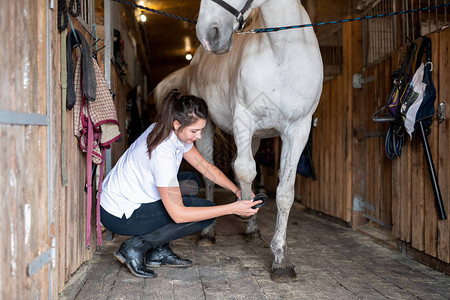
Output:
[[268, 84]]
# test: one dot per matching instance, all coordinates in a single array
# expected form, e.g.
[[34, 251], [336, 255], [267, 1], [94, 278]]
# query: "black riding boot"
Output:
[[163, 256], [131, 253]]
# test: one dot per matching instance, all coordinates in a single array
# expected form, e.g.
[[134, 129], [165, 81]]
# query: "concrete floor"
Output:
[[332, 262]]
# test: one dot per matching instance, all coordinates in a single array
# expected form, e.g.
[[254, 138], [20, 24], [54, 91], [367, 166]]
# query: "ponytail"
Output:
[[186, 109]]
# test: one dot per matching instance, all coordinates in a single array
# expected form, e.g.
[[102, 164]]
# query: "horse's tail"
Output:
[[175, 80]]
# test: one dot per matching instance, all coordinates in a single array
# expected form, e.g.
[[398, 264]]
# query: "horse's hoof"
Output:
[[206, 241], [254, 236], [283, 272]]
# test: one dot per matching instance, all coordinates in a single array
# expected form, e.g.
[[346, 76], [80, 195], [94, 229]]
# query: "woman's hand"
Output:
[[244, 207]]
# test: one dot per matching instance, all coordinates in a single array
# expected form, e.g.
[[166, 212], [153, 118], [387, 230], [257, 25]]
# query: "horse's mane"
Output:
[[254, 21]]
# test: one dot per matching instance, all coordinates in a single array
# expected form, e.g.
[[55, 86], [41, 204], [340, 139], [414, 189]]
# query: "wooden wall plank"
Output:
[[325, 153], [333, 136], [371, 186], [4, 186], [318, 141], [348, 102], [339, 152], [441, 78], [353, 64], [379, 144], [417, 194], [4, 55], [41, 216], [386, 82], [318, 145], [56, 143], [13, 190], [396, 171], [431, 217], [396, 198], [324, 121], [405, 192], [39, 54]]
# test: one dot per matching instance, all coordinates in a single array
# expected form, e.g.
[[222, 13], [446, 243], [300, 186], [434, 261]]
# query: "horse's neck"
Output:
[[290, 12]]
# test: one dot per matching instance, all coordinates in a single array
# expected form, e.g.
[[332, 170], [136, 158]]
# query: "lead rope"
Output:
[[90, 146], [99, 191], [397, 13]]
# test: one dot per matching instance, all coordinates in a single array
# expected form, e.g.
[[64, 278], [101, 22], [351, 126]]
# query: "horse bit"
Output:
[[238, 14]]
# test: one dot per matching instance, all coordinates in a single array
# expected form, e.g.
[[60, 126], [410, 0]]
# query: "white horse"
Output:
[[266, 85]]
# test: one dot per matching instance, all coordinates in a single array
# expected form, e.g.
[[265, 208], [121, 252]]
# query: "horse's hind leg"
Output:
[[205, 147], [293, 144]]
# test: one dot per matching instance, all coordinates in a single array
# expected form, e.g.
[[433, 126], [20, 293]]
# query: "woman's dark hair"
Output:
[[186, 109]]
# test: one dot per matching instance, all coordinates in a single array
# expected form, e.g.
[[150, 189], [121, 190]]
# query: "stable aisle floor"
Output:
[[331, 261]]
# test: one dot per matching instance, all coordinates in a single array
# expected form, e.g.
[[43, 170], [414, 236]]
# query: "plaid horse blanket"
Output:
[[101, 111], [96, 127]]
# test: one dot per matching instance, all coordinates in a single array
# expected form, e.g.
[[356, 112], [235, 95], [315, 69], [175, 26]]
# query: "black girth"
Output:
[[238, 14]]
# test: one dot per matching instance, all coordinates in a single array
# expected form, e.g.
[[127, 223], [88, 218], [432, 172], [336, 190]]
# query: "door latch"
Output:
[[441, 112]]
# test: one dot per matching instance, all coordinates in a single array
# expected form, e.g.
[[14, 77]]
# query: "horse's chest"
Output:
[[221, 114]]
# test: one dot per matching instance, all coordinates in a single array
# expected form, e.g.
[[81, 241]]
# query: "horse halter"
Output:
[[238, 14]]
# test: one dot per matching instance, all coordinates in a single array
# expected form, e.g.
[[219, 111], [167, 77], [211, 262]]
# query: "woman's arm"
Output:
[[171, 197], [210, 171]]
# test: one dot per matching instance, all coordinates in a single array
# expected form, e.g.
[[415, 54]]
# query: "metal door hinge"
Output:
[[43, 259], [359, 81], [360, 205]]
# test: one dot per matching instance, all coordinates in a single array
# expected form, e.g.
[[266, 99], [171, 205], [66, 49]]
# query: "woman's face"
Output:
[[191, 133]]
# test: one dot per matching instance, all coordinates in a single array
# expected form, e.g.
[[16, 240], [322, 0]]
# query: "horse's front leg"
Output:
[[205, 147], [293, 143], [244, 165], [252, 231]]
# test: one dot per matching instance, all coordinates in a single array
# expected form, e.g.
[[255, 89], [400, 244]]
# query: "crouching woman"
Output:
[[141, 195]]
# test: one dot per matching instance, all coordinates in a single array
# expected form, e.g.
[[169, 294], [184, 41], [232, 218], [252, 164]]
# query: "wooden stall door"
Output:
[[377, 203], [25, 123]]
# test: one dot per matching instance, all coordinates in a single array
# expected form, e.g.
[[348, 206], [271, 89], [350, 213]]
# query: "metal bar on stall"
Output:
[[20, 118], [432, 171]]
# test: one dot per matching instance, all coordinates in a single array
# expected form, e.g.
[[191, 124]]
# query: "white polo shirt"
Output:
[[135, 177]]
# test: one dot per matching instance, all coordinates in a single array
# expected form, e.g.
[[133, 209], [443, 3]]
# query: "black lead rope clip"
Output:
[[261, 197]]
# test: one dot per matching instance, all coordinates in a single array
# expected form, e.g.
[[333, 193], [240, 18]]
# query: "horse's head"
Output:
[[217, 21]]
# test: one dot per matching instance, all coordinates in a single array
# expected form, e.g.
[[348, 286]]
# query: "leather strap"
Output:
[[90, 146], [238, 14], [426, 44]]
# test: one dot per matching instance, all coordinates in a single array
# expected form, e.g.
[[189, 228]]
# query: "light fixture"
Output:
[[143, 17], [188, 56]]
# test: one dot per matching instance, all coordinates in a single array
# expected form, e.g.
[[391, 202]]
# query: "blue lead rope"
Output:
[[402, 12]]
